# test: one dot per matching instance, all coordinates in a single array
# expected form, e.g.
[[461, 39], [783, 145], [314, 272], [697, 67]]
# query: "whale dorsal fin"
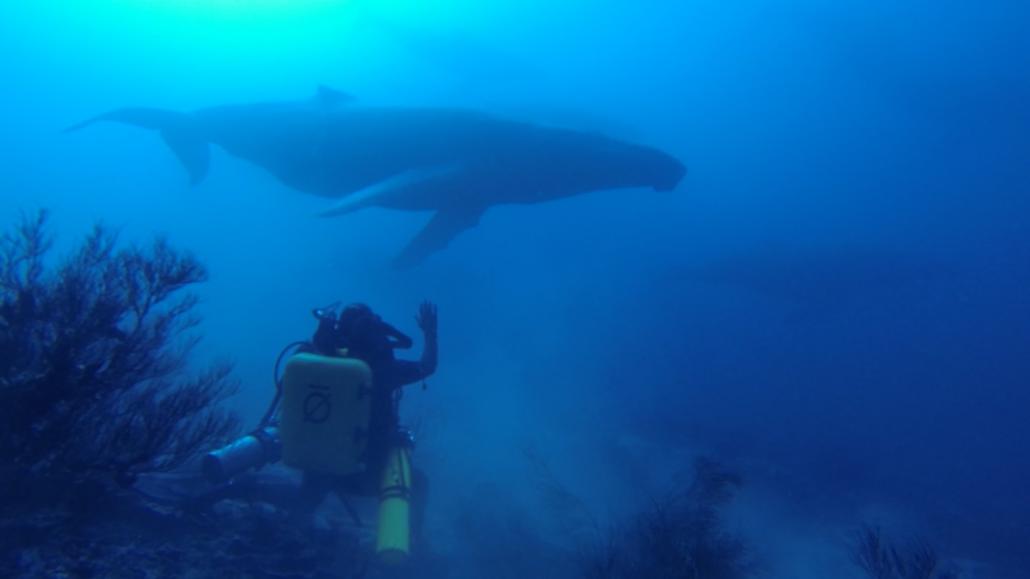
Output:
[[330, 97]]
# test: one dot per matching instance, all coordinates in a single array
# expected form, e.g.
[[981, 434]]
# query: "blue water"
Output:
[[833, 302]]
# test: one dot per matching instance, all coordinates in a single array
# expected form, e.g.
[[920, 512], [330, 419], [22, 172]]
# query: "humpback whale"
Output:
[[454, 162]]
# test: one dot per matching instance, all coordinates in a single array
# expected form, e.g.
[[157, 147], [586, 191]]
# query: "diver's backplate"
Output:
[[326, 407]]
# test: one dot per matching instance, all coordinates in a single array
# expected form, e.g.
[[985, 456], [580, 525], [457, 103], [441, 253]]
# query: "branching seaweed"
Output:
[[93, 358], [880, 558], [680, 535], [683, 535], [574, 518]]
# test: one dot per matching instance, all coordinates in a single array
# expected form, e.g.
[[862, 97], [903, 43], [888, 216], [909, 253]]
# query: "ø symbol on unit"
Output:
[[316, 407]]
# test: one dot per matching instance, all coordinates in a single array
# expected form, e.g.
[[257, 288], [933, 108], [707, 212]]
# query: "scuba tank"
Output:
[[258, 448], [393, 536], [254, 450]]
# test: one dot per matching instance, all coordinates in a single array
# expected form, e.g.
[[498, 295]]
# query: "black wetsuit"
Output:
[[389, 375]]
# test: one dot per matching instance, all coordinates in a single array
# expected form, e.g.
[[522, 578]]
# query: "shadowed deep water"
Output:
[[834, 301]]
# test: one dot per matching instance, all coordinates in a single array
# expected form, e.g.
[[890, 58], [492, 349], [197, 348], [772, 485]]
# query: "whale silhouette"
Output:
[[456, 163]]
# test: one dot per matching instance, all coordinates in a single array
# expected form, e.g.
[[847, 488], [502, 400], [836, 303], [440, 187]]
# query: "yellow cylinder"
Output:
[[393, 542]]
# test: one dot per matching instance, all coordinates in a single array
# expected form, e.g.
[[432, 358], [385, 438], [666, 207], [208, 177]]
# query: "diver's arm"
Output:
[[427, 320], [409, 371]]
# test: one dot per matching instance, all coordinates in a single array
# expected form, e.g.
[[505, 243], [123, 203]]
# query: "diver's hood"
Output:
[[360, 329]]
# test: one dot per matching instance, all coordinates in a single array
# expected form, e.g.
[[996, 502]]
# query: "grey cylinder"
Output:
[[251, 451]]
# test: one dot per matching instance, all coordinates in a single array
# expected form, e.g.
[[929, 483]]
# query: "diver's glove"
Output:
[[426, 318]]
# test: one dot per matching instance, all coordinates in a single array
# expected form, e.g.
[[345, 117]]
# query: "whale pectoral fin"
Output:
[[441, 229], [192, 152], [385, 193]]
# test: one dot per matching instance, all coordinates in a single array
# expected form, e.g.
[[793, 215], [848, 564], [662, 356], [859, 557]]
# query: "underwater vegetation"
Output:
[[95, 392], [880, 558], [93, 372], [681, 533]]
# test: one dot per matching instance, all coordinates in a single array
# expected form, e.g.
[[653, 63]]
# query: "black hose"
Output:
[[278, 381]]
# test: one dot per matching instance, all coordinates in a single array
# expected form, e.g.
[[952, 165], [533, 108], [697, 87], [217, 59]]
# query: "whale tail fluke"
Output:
[[179, 131]]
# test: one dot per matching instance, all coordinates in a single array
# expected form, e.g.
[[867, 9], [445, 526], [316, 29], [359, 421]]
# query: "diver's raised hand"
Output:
[[426, 318]]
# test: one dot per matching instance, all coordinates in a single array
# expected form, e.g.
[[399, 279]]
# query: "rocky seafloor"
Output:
[[126, 534]]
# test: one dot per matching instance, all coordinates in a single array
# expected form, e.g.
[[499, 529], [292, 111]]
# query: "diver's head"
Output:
[[365, 334], [358, 328]]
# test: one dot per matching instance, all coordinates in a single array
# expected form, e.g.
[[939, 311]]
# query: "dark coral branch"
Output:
[[94, 353], [680, 535], [872, 555], [880, 558], [22, 251]]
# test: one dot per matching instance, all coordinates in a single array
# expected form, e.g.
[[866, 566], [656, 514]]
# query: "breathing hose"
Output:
[[278, 381]]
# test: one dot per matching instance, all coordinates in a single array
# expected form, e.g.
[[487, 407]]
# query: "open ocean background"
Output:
[[835, 303]]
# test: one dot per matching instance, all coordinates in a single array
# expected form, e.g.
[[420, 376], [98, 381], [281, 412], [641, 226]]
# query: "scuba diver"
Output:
[[366, 337], [335, 418]]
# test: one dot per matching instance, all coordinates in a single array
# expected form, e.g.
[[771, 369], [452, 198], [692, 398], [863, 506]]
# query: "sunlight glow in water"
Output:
[[290, 26], [244, 9]]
